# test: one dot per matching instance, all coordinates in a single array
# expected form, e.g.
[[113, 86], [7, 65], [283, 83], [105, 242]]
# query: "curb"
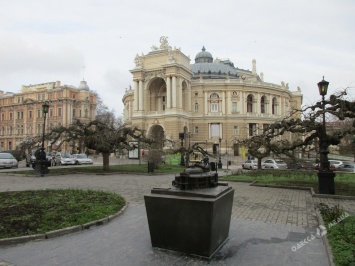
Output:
[[61, 232], [325, 240]]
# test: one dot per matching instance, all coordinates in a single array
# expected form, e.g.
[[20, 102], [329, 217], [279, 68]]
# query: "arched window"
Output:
[[250, 103], [262, 105], [274, 106], [214, 99]]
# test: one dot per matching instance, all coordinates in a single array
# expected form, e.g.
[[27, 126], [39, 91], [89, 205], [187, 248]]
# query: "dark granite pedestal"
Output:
[[189, 221]]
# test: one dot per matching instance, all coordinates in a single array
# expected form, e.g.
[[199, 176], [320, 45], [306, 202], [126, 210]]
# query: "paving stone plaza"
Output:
[[266, 226]]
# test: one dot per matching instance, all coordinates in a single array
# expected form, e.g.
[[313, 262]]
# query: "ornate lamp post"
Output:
[[219, 153], [325, 175], [41, 166]]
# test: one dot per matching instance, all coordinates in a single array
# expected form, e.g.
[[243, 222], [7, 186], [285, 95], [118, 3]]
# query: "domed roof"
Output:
[[83, 86], [205, 67], [204, 57]]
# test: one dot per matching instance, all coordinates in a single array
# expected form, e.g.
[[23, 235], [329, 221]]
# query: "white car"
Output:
[[250, 164], [336, 163], [274, 164], [82, 158], [64, 159], [7, 160]]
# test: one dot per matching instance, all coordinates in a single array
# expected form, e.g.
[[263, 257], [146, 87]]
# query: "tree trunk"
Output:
[[106, 161]]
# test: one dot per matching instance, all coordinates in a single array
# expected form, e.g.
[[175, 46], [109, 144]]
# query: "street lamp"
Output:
[[219, 153], [41, 166], [325, 175]]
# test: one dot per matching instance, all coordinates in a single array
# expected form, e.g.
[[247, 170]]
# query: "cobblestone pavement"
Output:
[[266, 225]]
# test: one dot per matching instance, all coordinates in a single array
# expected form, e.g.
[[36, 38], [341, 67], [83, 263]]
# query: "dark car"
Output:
[[306, 165], [331, 168]]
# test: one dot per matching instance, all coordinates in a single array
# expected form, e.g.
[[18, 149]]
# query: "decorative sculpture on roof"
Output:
[[164, 42], [139, 61], [171, 58]]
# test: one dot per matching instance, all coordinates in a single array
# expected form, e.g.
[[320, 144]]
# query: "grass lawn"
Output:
[[132, 168], [344, 182], [39, 211], [342, 240], [340, 231]]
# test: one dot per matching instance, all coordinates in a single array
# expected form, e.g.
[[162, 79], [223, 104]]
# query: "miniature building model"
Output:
[[211, 101]]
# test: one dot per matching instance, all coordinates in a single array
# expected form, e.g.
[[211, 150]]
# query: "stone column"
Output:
[[223, 103], [174, 94], [206, 103], [189, 96], [136, 96], [168, 93], [140, 108], [180, 105], [229, 103]]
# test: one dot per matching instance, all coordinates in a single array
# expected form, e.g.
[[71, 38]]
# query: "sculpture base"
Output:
[[190, 221]]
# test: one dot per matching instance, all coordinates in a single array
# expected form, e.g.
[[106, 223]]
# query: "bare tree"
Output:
[[307, 131], [100, 136]]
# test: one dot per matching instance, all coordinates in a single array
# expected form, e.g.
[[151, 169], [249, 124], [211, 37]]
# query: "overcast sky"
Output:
[[292, 41]]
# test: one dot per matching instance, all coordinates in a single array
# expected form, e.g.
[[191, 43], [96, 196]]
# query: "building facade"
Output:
[[21, 114], [211, 101]]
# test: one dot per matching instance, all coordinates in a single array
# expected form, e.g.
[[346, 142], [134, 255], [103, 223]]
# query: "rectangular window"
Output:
[[235, 130], [252, 129], [2, 117], [10, 116], [74, 111], [59, 111], [234, 107], [30, 114], [51, 112], [215, 130], [214, 107], [196, 107], [38, 113], [265, 127], [196, 130]]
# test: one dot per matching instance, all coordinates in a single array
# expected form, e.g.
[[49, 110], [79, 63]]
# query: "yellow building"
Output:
[[21, 113], [211, 101]]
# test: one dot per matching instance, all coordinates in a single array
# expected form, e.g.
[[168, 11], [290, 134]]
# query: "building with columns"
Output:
[[21, 114], [211, 101]]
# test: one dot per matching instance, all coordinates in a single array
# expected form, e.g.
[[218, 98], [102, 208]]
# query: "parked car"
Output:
[[31, 158], [347, 167], [317, 166], [82, 158], [336, 163], [274, 164], [7, 160], [64, 159], [19, 155], [250, 164], [302, 165]]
